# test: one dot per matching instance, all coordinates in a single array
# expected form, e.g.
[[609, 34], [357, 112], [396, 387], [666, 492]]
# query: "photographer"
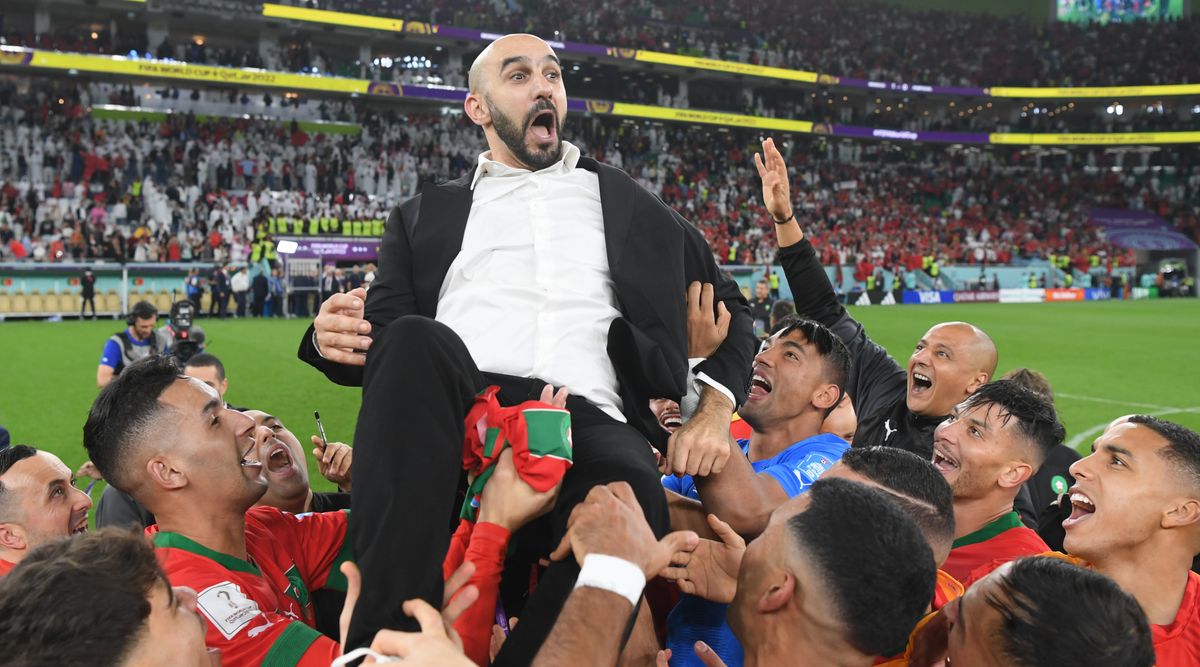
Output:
[[136, 341]]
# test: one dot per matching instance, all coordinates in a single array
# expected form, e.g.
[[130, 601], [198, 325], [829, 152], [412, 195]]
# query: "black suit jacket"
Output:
[[653, 254]]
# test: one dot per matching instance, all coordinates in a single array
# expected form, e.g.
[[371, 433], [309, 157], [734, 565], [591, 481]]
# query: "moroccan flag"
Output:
[[539, 434]]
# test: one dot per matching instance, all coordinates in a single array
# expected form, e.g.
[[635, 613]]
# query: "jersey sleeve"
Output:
[[246, 633], [111, 356], [320, 547], [797, 470]]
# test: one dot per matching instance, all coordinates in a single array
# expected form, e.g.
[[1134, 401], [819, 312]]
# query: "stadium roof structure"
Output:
[[375, 23]]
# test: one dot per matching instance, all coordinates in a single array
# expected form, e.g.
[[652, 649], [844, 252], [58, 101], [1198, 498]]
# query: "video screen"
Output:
[[1118, 11]]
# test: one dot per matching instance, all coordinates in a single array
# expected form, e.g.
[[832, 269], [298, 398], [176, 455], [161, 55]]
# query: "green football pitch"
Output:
[[1104, 359]]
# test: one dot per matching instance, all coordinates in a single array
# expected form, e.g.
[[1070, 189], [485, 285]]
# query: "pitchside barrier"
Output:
[[1011, 295]]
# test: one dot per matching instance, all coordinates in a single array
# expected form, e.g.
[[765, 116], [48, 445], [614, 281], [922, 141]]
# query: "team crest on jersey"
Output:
[[296, 588], [888, 430], [227, 608]]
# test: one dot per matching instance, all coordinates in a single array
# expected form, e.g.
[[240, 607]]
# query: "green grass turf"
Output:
[[1104, 359]]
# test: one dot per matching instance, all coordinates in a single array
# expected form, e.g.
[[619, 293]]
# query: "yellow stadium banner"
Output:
[[179, 70], [694, 116], [333, 18], [1095, 139], [730, 67], [1097, 91]]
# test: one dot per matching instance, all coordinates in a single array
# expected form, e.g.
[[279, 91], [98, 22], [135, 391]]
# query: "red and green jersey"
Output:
[[6, 567], [1000, 541], [1178, 644], [258, 610]]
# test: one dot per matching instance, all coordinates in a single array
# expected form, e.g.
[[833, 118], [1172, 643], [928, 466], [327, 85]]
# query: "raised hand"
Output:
[[776, 189]]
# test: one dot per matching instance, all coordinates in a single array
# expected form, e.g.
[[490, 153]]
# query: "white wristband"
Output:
[[612, 574]]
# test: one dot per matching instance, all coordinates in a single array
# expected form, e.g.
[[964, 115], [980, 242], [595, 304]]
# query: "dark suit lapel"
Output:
[[616, 203], [438, 237]]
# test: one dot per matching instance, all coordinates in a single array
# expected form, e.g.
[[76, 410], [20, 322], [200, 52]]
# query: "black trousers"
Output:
[[87, 300], [418, 385]]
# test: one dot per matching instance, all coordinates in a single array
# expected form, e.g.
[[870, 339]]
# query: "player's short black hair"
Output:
[[206, 360], [81, 601], [1041, 626], [1183, 444], [913, 478], [1037, 421], [875, 564], [122, 415], [829, 347], [8, 457]]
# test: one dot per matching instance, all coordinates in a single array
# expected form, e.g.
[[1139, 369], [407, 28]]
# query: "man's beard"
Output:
[[513, 136]]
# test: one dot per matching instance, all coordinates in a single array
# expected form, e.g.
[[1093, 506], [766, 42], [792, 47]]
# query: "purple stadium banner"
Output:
[[901, 87], [1139, 230], [365, 249], [908, 135], [479, 35]]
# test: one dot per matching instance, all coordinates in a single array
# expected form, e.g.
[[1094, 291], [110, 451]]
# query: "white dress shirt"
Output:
[[530, 292]]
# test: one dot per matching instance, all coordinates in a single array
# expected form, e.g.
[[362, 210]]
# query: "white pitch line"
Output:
[[1080, 437], [1109, 401]]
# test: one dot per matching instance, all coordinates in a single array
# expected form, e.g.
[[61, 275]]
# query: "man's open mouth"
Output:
[[248, 462], [80, 526], [921, 383], [943, 461], [279, 459], [544, 126], [1082, 507], [759, 386], [671, 421]]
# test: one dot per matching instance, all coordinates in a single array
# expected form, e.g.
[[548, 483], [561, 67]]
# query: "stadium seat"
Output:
[[110, 302], [36, 303], [162, 301], [5, 304], [20, 304], [68, 303]]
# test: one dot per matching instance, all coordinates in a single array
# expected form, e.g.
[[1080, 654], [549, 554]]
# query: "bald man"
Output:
[[541, 266], [897, 406]]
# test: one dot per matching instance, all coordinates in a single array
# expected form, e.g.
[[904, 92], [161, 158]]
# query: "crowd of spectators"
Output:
[[74, 187]]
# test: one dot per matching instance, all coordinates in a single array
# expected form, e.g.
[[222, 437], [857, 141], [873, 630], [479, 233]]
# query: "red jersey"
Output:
[[1178, 644], [6, 567], [947, 589], [996, 543], [258, 610]]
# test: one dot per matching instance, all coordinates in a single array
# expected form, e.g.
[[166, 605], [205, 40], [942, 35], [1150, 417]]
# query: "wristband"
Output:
[[612, 574], [785, 220]]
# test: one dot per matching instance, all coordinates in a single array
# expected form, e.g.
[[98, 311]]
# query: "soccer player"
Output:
[[839, 577], [710, 570], [991, 444], [896, 407], [208, 369], [795, 384], [1041, 612], [169, 441], [98, 599], [1136, 519], [38, 503]]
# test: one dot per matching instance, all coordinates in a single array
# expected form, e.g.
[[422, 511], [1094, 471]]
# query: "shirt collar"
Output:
[[486, 166]]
